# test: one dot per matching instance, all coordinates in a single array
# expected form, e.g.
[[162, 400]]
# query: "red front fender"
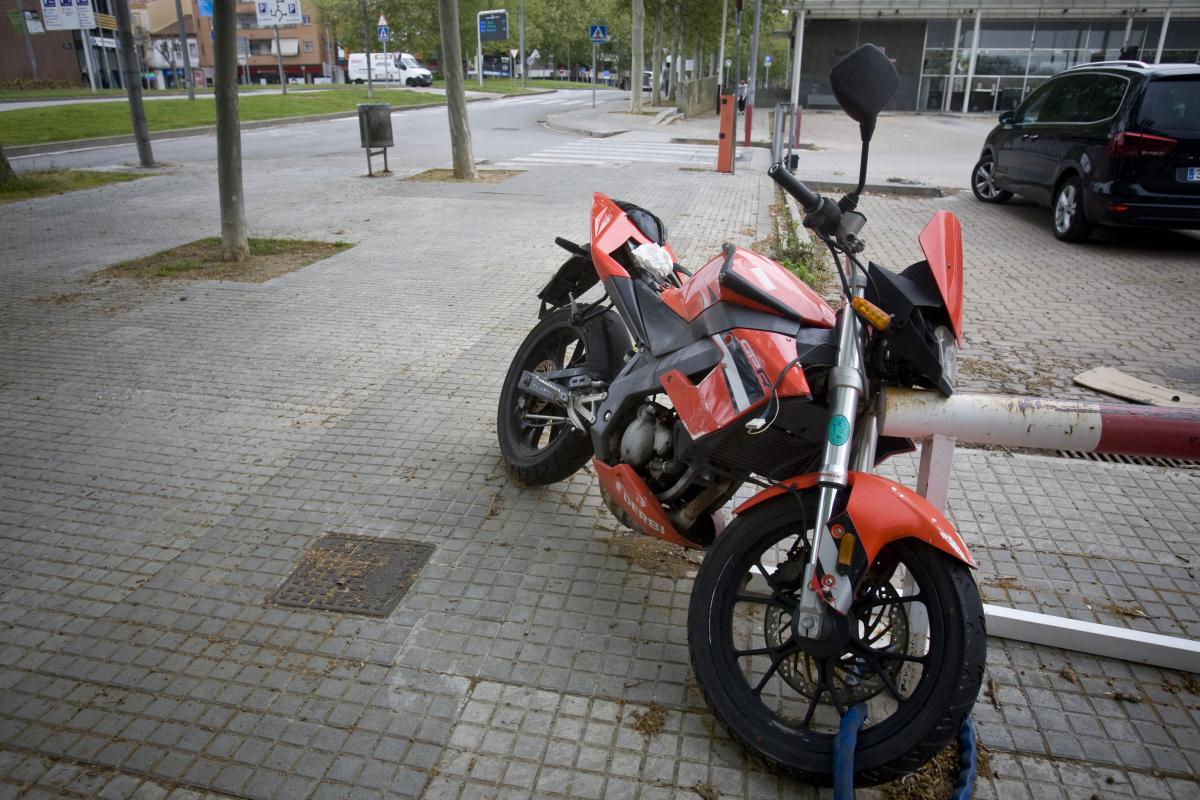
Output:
[[883, 511]]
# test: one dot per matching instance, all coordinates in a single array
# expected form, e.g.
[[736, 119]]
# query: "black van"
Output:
[[1109, 143]]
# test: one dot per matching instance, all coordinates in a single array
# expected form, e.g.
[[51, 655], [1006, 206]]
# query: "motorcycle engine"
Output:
[[647, 444]]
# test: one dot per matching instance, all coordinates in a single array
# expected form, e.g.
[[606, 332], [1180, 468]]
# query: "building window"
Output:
[[245, 21], [1017, 56], [309, 47], [305, 19]]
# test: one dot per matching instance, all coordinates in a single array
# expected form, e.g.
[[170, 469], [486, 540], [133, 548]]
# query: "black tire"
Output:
[[983, 184], [889, 746], [1067, 215], [555, 451], [409, 82]]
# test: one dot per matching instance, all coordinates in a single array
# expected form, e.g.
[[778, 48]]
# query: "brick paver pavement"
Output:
[[164, 462]]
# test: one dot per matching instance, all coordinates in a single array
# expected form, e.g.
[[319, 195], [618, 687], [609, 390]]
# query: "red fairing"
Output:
[[610, 230], [703, 290], [710, 405], [630, 492], [883, 511], [941, 241]]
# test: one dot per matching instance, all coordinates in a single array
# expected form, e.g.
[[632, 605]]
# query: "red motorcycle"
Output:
[[833, 586]]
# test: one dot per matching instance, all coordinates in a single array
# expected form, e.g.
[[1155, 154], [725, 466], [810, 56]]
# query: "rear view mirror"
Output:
[[864, 82]]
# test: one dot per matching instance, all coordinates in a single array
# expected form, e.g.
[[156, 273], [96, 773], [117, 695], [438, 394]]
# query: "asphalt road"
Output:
[[501, 129]]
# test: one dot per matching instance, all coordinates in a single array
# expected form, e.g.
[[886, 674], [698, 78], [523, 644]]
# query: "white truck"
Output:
[[393, 67]]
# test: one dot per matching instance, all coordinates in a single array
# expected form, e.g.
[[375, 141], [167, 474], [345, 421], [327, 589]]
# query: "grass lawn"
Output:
[[201, 260], [29, 185], [84, 120]]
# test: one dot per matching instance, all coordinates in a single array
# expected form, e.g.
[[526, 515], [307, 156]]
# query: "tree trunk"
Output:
[[456, 97], [656, 55], [676, 67], [234, 246], [635, 65], [133, 85], [6, 171]]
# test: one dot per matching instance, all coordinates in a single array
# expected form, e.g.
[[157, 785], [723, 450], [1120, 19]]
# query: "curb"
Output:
[[567, 129], [877, 188], [49, 148], [694, 140]]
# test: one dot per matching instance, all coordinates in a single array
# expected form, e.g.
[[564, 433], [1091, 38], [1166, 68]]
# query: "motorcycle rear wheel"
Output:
[[786, 712], [538, 450]]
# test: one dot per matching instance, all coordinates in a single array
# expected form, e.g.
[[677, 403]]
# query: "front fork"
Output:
[[824, 587]]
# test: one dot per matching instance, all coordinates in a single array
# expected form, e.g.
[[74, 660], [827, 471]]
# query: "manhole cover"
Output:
[[354, 574]]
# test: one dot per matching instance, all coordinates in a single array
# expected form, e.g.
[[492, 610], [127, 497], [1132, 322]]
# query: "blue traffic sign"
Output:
[[767, 60], [598, 34], [382, 33]]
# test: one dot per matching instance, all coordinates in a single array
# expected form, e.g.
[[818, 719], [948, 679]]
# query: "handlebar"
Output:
[[807, 198], [822, 214]]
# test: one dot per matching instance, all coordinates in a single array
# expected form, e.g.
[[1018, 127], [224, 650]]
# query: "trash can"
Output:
[[375, 124]]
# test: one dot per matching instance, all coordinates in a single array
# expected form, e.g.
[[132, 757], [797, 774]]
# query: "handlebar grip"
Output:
[[809, 199]]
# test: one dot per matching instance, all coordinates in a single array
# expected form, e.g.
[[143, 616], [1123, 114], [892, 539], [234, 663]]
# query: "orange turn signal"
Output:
[[845, 553], [873, 314]]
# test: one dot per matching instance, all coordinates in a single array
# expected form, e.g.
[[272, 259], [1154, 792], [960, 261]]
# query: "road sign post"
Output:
[[767, 77], [491, 26], [273, 14], [597, 35], [383, 33]]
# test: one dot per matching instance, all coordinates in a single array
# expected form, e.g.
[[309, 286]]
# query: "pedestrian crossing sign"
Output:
[[598, 34]]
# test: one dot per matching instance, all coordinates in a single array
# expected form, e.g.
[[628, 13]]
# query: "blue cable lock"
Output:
[[846, 741]]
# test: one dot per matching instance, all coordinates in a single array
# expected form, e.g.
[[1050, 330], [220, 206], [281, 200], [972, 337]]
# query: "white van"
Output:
[[401, 68]]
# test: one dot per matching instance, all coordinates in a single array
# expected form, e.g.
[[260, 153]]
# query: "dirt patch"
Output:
[[992, 694], [494, 506], [651, 721], [1126, 611], [1006, 582], [1045, 374], [706, 791], [201, 261], [60, 299], [655, 556], [935, 780], [447, 175]]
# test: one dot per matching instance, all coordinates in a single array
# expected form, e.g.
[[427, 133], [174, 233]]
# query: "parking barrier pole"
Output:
[[1044, 424]]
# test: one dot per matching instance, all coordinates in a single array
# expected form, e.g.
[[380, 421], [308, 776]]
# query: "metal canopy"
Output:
[[1012, 9]]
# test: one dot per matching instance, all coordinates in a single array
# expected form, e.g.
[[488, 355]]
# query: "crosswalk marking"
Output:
[[617, 153]]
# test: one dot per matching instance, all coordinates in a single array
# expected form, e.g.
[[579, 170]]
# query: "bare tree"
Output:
[[635, 67], [132, 75], [656, 58], [456, 97], [6, 171], [234, 246], [676, 67]]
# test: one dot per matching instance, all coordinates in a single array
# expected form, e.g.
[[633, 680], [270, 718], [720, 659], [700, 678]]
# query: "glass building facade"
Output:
[[1013, 56]]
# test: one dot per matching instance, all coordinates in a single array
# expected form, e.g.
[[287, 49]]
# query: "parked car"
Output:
[[1110, 143]]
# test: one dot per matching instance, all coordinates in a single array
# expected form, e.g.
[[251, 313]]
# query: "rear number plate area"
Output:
[[1193, 175]]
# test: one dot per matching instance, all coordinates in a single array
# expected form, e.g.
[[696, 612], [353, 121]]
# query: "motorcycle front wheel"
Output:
[[913, 650], [537, 440]]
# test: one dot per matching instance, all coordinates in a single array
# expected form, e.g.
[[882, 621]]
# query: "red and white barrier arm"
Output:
[[1043, 424]]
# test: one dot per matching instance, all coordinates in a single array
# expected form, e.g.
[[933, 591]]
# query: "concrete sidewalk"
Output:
[[662, 122], [171, 451]]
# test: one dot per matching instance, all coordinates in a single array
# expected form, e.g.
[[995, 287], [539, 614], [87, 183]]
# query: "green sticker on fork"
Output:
[[839, 430]]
